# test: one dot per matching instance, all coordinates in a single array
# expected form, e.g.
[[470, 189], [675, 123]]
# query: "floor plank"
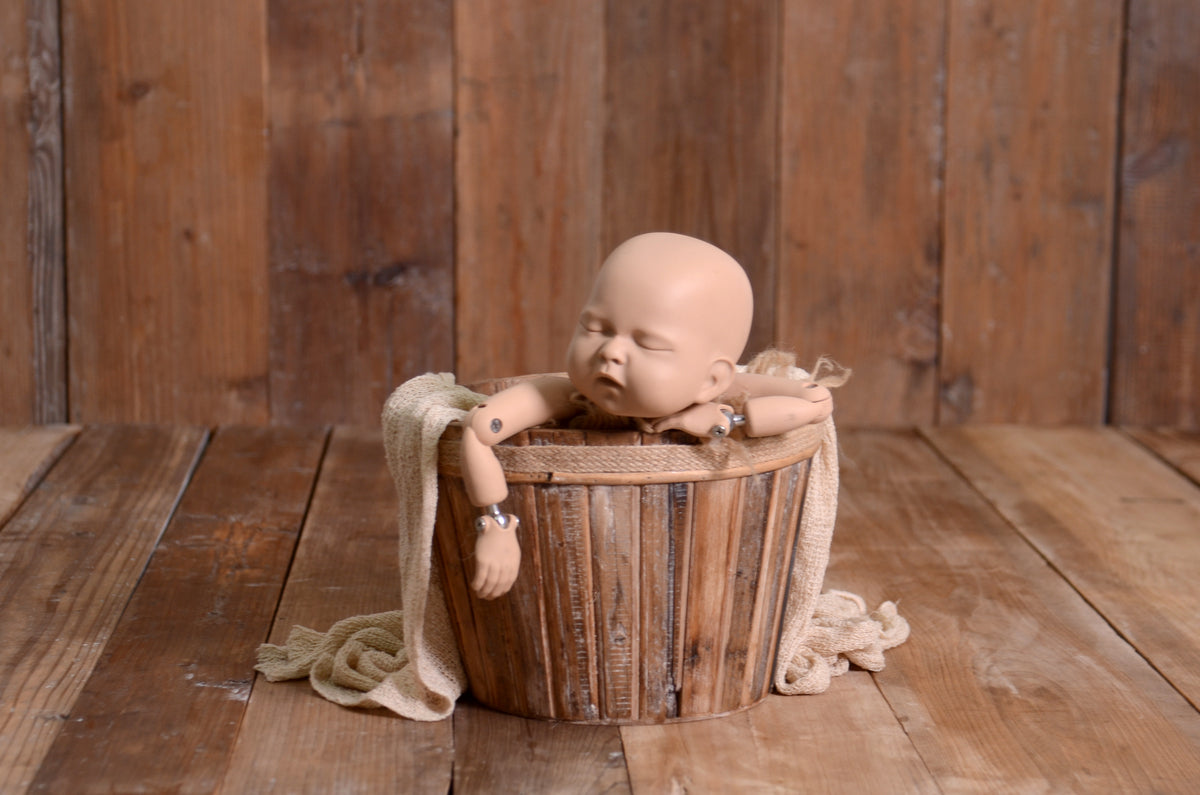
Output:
[[1119, 524], [498, 753], [25, 455], [786, 744], [292, 740], [69, 559], [1180, 448], [156, 714], [1010, 682]]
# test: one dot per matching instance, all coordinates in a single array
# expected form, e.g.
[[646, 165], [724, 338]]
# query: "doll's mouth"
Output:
[[608, 380]]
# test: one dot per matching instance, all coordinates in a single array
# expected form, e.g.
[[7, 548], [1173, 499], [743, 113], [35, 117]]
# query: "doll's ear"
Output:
[[720, 378]]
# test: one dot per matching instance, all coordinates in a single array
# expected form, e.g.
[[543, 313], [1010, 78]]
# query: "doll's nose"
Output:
[[612, 351]]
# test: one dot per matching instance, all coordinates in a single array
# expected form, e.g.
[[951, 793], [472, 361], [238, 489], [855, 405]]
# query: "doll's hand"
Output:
[[702, 419], [497, 558]]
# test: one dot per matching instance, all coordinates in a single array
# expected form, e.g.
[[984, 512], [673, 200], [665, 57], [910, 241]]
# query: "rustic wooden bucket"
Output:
[[645, 596]]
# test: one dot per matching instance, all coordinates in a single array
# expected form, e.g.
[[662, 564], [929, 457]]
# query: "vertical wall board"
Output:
[[862, 111], [166, 201], [361, 203], [1156, 362], [528, 178], [691, 136], [1031, 137], [45, 208], [16, 309]]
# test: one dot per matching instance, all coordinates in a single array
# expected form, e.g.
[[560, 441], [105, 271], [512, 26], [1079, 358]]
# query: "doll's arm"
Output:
[[529, 403], [777, 405]]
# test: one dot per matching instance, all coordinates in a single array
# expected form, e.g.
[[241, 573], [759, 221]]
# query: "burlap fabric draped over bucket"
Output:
[[406, 660]]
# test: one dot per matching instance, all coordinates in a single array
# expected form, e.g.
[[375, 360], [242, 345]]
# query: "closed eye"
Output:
[[593, 323], [652, 342]]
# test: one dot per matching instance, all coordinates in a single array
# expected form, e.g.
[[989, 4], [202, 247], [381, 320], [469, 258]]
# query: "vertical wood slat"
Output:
[[715, 535], [528, 174], [1031, 132], [1156, 355], [217, 571], [45, 214], [290, 739], [861, 101], [614, 521], [166, 196], [17, 330], [69, 559], [691, 132], [361, 203]]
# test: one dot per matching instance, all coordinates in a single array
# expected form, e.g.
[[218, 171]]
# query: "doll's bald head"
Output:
[[685, 272], [666, 322]]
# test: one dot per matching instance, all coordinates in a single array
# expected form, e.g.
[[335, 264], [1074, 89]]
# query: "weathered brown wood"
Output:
[[528, 176], [615, 524], [17, 398], [1180, 448], [26, 454], [634, 603], [716, 510], [190, 630], [290, 739], [69, 560], [845, 740], [862, 105], [361, 203], [752, 556], [497, 753], [565, 539], [1156, 355], [1031, 140], [1119, 525], [691, 134], [45, 213], [166, 195], [1010, 681]]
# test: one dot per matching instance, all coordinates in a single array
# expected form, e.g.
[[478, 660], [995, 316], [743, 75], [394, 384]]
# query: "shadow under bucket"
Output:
[[654, 573]]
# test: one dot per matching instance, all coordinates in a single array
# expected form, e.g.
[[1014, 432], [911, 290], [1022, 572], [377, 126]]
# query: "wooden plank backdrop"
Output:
[[274, 211]]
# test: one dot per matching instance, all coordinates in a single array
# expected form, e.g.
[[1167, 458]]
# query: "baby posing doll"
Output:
[[658, 341]]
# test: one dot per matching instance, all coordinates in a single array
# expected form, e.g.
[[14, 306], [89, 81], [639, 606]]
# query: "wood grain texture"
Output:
[[47, 266], [218, 571], [166, 195], [496, 753], [293, 741], [528, 180], [691, 135], [845, 740], [1117, 524], [26, 454], [1179, 448], [69, 560], [1156, 356], [361, 203], [1031, 139], [17, 397], [1010, 680], [860, 199]]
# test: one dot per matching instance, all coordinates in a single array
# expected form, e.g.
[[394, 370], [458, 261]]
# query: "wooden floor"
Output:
[[1051, 577]]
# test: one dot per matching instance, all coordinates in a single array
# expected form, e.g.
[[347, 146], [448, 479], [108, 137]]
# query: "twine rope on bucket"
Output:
[[407, 661]]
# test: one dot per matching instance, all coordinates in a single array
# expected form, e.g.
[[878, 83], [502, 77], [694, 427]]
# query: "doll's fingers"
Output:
[[480, 581]]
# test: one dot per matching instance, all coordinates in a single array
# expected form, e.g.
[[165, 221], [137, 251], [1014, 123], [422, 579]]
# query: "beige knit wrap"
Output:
[[406, 660]]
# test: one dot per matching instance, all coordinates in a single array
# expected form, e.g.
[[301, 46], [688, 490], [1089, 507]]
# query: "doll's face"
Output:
[[652, 338]]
